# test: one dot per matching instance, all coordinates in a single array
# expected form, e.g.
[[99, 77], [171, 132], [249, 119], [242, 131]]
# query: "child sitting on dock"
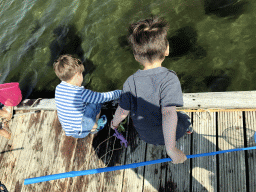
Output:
[[78, 108], [152, 94]]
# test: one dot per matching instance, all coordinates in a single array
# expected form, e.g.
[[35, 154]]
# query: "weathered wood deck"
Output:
[[39, 147]]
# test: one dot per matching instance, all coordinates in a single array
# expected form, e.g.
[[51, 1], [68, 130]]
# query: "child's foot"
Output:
[[101, 124], [8, 111], [4, 132]]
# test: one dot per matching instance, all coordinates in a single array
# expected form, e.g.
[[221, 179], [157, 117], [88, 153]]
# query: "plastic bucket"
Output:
[[10, 94]]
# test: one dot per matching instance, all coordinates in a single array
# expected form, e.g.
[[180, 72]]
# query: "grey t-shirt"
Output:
[[144, 93]]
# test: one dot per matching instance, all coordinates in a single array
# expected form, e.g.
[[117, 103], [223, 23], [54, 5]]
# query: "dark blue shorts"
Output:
[[88, 120], [158, 138]]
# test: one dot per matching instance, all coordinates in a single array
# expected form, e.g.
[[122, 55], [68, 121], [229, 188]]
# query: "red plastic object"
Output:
[[10, 94]]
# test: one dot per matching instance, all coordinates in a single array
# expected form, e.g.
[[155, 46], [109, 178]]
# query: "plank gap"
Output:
[[191, 152], [217, 156], [126, 137], [166, 172], [246, 154], [144, 167]]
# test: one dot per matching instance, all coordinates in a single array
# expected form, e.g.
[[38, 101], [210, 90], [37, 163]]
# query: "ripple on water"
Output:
[[27, 31]]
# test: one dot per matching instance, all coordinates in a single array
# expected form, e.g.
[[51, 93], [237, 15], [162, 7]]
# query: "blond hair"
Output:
[[66, 66]]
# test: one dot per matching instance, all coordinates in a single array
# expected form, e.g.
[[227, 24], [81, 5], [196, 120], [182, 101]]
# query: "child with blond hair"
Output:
[[78, 108]]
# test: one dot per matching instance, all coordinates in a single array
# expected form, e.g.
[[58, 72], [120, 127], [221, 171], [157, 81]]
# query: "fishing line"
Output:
[[111, 154], [90, 157]]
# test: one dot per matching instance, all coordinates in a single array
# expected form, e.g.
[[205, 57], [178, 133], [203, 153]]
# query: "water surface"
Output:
[[213, 49]]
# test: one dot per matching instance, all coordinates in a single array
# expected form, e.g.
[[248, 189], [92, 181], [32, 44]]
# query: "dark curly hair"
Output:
[[148, 39]]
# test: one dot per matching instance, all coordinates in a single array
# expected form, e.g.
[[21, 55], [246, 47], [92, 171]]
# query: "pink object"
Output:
[[10, 94]]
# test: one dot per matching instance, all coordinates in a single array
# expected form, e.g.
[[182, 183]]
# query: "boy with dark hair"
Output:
[[78, 108], [152, 94]]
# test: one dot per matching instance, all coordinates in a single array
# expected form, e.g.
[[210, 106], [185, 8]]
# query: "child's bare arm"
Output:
[[169, 119], [120, 115]]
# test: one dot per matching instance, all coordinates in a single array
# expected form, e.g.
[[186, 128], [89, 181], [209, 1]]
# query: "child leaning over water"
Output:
[[152, 94], [78, 108]]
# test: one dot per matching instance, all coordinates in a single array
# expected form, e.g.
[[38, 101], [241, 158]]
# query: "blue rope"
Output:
[[115, 168]]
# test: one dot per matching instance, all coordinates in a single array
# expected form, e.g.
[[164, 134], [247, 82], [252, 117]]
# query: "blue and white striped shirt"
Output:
[[71, 102]]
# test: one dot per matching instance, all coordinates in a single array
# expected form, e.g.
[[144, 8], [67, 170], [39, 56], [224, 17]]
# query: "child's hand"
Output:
[[177, 156]]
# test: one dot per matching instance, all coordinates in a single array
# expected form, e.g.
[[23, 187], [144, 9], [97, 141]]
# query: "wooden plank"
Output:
[[40, 145], [155, 175], [54, 133], [93, 182], [250, 120], [31, 139], [82, 158], [226, 100], [178, 176], [232, 176], [229, 99], [19, 130], [12, 176], [133, 178], [63, 161], [113, 180], [37, 104], [49, 104], [204, 171], [33, 147], [48, 144], [90, 160], [100, 158], [4, 152]]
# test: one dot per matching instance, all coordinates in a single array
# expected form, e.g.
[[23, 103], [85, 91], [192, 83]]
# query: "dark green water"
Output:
[[211, 50]]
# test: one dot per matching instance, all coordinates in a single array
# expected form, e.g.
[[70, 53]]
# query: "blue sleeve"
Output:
[[171, 93], [89, 96]]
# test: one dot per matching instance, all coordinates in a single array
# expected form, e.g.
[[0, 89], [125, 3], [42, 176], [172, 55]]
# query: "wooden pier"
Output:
[[39, 147]]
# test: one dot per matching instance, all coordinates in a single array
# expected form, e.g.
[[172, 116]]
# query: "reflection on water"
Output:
[[225, 8], [28, 82], [184, 42], [66, 42], [204, 36]]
